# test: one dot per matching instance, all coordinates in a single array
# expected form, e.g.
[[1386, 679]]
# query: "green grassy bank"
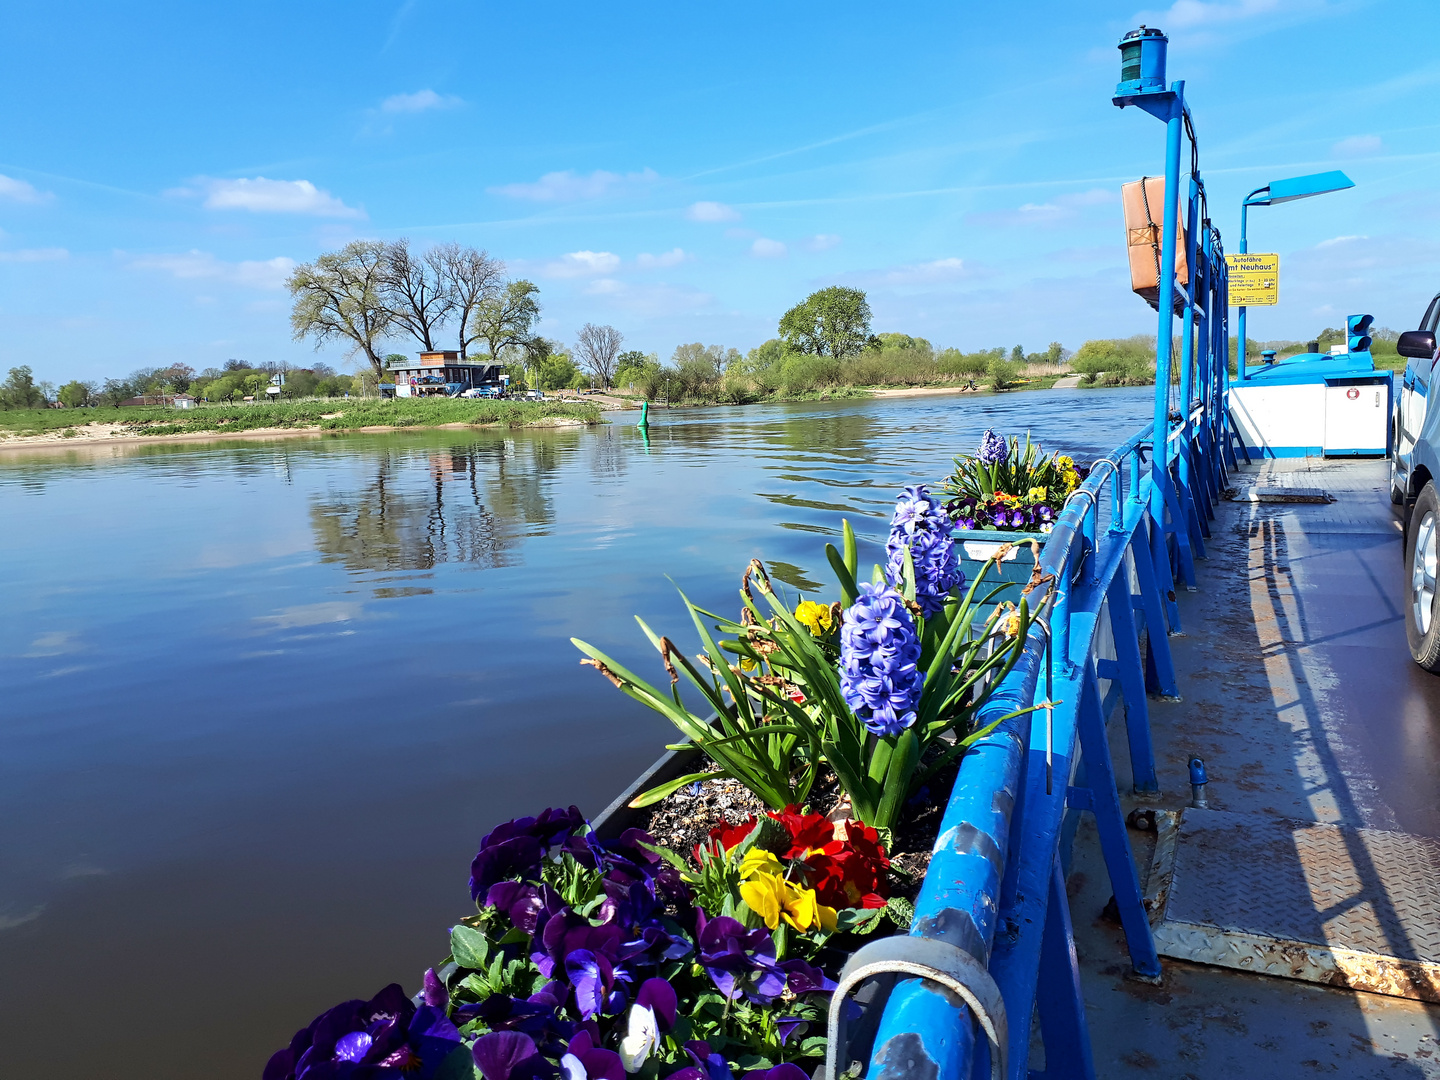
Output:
[[330, 415]]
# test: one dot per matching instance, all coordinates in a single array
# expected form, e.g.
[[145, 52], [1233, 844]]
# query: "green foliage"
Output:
[[75, 394], [778, 707], [1022, 471], [19, 390], [832, 322], [1116, 361], [354, 413], [1002, 373]]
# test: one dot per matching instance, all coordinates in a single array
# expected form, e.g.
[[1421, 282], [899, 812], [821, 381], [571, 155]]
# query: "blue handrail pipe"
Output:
[[991, 945]]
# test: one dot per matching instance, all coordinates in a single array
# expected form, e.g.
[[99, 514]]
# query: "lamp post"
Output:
[[1281, 191]]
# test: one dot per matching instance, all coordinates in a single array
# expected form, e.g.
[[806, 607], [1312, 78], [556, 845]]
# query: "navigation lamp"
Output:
[[1142, 62], [1357, 330]]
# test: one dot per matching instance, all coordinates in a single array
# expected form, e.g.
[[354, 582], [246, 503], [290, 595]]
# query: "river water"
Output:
[[260, 700]]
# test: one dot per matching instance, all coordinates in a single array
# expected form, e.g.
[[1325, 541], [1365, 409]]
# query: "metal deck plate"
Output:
[[1330, 904]]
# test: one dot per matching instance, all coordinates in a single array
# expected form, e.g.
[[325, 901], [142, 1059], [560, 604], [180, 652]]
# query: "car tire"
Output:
[[1422, 556]]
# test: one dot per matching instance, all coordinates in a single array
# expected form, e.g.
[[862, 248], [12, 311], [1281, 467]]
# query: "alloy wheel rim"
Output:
[[1423, 574]]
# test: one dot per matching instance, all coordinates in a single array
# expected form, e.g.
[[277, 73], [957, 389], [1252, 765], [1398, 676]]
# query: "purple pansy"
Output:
[[510, 1055], [879, 653], [583, 1060], [783, 1071], [739, 960], [515, 848], [388, 1032]]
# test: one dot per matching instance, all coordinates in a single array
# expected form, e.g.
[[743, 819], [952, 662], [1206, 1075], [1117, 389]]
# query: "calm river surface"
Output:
[[260, 701]]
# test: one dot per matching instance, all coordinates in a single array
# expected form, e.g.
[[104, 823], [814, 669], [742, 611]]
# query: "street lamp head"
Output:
[[1300, 187], [1142, 62]]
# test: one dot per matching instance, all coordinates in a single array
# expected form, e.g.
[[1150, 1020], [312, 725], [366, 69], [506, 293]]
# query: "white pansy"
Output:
[[641, 1038]]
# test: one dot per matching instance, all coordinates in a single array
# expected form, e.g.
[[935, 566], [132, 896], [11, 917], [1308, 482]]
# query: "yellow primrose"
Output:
[[759, 861], [817, 618]]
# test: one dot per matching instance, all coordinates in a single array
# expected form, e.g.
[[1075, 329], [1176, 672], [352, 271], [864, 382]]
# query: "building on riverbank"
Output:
[[444, 373]]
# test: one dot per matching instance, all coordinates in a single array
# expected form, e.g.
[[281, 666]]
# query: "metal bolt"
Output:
[[1198, 780]]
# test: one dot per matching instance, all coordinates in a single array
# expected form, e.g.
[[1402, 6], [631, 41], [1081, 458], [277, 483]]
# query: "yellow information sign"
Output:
[[1254, 279]]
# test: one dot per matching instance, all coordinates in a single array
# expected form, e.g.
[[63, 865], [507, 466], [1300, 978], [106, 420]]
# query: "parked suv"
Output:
[[1414, 471]]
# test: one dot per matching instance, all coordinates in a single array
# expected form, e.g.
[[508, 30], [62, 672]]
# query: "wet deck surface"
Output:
[[1299, 693]]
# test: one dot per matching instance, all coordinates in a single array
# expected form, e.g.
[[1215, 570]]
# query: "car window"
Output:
[[1432, 315]]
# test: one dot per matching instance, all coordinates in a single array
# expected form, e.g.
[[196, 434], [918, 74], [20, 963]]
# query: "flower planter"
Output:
[[1016, 566]]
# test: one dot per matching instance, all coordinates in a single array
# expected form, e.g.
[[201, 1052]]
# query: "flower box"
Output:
[[1016, 566]]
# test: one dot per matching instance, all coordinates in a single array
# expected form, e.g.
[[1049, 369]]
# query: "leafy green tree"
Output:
[[177, 377], [1056, 353], [1003, 373], [555, 371], [19, 390], [832, 322], [506, 319], [1017, 355], [300, 383], [75, 393], [631, 364], [340, 298]]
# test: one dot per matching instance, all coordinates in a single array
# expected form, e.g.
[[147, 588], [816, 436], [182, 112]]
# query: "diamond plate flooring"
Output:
[[1333, 904]]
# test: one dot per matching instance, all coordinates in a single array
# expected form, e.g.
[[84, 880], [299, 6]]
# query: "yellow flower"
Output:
[[1065, 462], [759, 861], [773, 898], [1072, 480], [1011, 623], [1036, 493], [747, 665], [817, 618]]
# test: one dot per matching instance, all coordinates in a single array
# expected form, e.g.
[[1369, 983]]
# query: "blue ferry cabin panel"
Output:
[[1315, 405]]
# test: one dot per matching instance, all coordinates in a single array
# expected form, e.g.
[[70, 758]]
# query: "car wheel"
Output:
[[1422, 548]]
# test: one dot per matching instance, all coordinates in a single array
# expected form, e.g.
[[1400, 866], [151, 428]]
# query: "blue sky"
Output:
[[687, 172]]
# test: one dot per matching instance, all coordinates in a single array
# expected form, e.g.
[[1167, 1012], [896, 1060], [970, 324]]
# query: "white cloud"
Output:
[[569, 186], [1339, 240], [20, 191], [201, 265], [925, 273], [764, 248], [674, 257], [1061, 208], [264, 196], [420, 101], [712, 212], [1357, 146], [821, 242], [582, 264], [33, 255], [651, 301]]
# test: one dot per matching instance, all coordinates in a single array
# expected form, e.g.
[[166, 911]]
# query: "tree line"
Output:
[[372, 290]]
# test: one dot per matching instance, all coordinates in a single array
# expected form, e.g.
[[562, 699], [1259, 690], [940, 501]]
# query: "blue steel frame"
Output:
[[995, 887]]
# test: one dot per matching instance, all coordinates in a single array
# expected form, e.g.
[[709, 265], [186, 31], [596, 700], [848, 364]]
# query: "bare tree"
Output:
[[597, 347], [417, 291], [338, 298], [505, 320], [472, 278]]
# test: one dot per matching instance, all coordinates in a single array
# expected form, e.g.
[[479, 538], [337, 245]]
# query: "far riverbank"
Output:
[[20, 429]]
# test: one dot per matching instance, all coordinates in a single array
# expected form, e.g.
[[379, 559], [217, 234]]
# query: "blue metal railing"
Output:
[[992, 917]]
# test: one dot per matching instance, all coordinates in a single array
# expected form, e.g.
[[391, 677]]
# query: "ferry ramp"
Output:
[[1322, 744]]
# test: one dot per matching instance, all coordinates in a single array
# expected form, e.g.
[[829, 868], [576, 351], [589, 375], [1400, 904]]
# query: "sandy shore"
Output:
[[923, 391], [121, 434]]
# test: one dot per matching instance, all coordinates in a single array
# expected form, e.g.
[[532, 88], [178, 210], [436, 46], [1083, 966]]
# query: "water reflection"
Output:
[[472, 504], [262, 699]]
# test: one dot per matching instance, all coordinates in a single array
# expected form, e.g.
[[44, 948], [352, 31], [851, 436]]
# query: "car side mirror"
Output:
[[1416, 344]]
